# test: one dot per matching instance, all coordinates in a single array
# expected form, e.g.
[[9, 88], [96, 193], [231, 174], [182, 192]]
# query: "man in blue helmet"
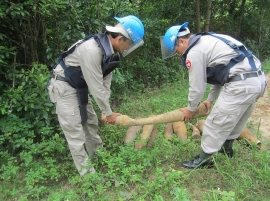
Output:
[[88, 65], [236, 79]]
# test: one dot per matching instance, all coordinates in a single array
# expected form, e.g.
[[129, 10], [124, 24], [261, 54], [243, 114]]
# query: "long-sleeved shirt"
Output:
[[88, 56], [209, 52]]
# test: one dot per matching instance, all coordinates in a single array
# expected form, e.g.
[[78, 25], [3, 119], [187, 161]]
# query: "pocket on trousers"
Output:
[[220, 119], [60, 89], [251, 95], [65, 110], [51, 93], [69, 117], [233, 96], [224, 119]]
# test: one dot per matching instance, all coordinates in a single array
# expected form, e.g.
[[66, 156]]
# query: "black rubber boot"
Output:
[[201, 160], [227, 148]]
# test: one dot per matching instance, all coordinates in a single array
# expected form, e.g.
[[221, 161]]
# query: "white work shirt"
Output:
[[209, 52], [88, 56]]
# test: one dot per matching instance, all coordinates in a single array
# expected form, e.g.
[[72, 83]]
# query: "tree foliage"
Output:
[[38, 30]]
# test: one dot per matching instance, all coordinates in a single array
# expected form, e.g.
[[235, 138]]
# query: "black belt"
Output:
[[58, 77], [245, 76]]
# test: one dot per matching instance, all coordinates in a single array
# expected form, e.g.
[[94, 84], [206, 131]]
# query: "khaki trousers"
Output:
[[82, 140], [230, 113]]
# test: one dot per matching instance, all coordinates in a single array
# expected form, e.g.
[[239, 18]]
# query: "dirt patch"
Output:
[[260, 117]]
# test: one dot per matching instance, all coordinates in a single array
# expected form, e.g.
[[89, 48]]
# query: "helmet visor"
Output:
[[136, 39], [132, 46], [166, 53]]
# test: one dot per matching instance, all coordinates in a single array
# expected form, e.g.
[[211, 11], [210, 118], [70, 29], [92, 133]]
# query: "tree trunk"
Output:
[[208, 17], [198, 16], [242, 8], [261, 25], [232, 7]]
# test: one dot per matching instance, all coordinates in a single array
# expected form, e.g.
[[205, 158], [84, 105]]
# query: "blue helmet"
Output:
[[133, 26], [172, 33]]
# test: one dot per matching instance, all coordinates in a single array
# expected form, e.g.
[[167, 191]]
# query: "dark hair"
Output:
[[184, 37], [114, 35]]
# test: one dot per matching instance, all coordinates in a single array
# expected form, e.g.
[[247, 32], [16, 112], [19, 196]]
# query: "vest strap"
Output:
[[241, 50], [218, 75], [74, 76]]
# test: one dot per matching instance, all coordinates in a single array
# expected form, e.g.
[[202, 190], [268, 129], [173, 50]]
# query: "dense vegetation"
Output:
[[35, 161]]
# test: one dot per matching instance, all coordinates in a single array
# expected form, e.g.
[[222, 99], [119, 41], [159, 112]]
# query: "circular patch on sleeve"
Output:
[[188, 64]]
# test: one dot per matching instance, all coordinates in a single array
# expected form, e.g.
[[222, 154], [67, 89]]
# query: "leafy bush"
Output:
[[30, 138]]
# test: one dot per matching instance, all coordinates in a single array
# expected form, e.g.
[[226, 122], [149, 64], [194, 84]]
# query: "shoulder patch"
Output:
[[188, 64]]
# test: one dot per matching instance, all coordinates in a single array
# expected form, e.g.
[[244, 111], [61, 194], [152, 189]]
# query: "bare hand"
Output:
[[103, 117], [112, 118], [208, 105], [186, 114]]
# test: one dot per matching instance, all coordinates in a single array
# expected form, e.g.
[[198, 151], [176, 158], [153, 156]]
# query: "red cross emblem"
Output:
[[188, 64]]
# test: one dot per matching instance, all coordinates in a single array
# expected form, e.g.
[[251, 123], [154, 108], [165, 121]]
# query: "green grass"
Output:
[[266, 66], [152, 174]]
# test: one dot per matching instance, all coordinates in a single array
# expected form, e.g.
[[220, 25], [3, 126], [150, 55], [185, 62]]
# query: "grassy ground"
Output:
[[154, 173], [245, 177]]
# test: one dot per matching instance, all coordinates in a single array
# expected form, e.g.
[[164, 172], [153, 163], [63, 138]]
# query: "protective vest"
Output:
[[74, 75], [219, 75]]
